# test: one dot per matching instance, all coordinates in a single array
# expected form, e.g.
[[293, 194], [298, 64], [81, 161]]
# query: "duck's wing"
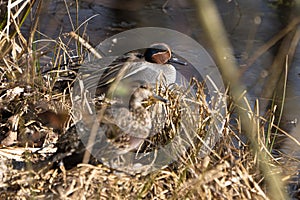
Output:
[[102, 76]]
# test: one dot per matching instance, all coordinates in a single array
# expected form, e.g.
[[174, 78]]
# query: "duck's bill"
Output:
[[159, 98], [177, 61]]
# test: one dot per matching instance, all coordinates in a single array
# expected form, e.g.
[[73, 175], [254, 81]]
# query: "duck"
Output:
[[134, 69], [121, 130], [127, 128]]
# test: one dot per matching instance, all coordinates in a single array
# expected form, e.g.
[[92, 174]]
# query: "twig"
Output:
[[259, 52], [85, 44]]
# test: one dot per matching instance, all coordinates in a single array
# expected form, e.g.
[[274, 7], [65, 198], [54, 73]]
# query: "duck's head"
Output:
[[160, 53], [143, 92]]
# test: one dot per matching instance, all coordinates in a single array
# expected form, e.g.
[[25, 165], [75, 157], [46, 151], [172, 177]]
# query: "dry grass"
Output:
[[30, 101]]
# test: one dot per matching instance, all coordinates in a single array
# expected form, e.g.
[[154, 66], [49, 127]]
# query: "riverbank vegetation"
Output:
[[36, 81]]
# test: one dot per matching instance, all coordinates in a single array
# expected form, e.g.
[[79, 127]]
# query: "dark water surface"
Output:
[[249, 24]]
